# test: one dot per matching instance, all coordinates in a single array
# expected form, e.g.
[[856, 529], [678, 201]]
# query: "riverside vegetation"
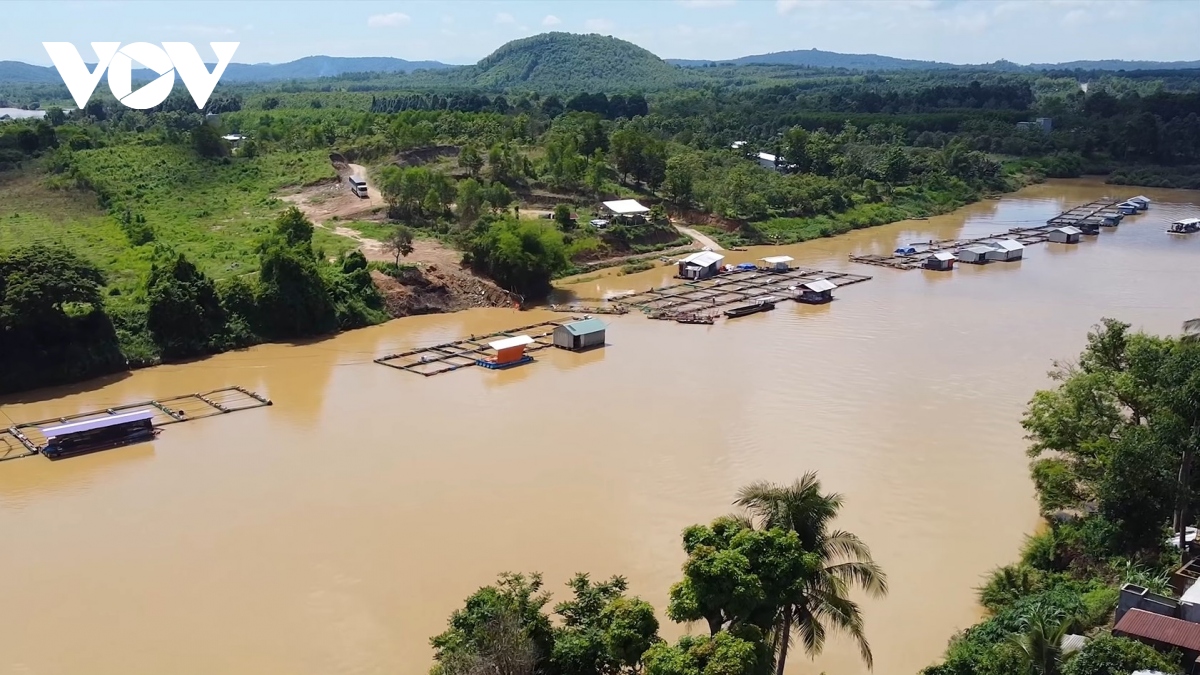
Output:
[[158, 208], [758, 580], [1113, 445]]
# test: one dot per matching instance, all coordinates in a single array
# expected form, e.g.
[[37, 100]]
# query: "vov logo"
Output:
[[173, 57]]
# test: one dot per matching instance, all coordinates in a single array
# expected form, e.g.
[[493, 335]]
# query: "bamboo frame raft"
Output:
[[26, 439], [695, 301], [451, 356], [1024, 235]]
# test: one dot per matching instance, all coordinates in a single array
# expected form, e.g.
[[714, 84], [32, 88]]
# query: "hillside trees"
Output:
[[184, 313]]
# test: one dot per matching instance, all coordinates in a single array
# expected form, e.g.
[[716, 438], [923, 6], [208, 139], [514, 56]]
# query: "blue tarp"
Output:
[[747, 266]]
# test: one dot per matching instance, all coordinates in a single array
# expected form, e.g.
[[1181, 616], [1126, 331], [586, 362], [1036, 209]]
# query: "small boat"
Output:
[[760, 305], [1185, 226], [694, 318]]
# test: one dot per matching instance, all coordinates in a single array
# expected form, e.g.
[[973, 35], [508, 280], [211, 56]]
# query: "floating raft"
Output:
[[468, 352], [615, 308], [705, 298], [1086, 217], [26, 439]]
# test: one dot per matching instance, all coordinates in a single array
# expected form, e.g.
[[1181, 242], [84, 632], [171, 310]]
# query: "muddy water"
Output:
[[335, 531]]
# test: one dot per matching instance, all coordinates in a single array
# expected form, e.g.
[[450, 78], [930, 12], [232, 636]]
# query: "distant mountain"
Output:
[[571, 62], [307, 68], [815, 58], [17, 72], [312, 67]]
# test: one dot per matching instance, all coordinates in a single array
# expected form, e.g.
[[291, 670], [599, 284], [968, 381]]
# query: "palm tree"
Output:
[[1040, 641], [1191, 330], [823, 602]]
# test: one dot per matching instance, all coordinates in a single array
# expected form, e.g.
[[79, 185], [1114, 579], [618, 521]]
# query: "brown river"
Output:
[[334, 532]]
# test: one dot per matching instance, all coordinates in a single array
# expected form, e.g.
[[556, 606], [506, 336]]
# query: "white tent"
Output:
[[626, 207]]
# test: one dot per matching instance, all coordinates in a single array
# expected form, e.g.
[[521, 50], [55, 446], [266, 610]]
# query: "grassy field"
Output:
[[215, 212]]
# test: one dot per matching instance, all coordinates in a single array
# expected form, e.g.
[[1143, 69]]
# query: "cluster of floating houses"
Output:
[[710, 288], [1066, 228]]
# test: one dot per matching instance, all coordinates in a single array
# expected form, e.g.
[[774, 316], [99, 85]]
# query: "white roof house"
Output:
[[768, 157], [507, 343], [1008, 245], [737, 145], [818, 285], [1187, 221], [703, 258], [233, 138], [1067, 229], [943, 255], [979, 248], [626, 207], [97, 423], [777, 259]]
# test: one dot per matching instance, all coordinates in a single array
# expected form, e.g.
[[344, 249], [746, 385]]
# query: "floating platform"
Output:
[[614, 308], [710, 297], [26, 439], [1087, 217], [468, 352]]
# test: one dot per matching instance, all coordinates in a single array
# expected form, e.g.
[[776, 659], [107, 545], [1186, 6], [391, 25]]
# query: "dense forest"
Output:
[[167, 218]]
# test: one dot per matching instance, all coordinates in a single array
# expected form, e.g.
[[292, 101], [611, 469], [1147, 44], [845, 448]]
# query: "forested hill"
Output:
[[566, 61], [23, 73]]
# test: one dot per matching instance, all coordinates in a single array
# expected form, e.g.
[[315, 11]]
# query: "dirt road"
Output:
[[699, 238]]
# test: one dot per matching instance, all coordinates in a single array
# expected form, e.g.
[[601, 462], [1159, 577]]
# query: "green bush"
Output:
[[1108, 655]]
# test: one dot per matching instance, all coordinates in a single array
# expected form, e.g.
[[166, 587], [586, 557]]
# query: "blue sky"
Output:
[[463, 31]]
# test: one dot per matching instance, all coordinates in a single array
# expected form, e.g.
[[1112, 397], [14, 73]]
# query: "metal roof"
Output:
[[1140, 198], [979, 248], [625, 207], [1067, 229], [703, 258], [1187, 221], [775, 259], [1072, 643], [585, 327], [506, 343], [943, 255], [1162, 629], [767, 157], [97, 423], [1009, 245], [819, 285]]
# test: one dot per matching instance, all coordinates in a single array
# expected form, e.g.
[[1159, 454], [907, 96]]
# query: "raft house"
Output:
[[940, 261], [816, 292], [700, 265], [577, 336], [1065, 235], [976, 254], [1185, 226], [102, 433], [509, 352], [627, 211], [1006, 250], [121, 425], [777, 263], [1141, 201]]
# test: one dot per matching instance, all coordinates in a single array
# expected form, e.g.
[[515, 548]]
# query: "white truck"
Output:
[[358, 186]]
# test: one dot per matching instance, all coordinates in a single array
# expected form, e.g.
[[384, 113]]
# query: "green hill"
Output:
[[569, 62]]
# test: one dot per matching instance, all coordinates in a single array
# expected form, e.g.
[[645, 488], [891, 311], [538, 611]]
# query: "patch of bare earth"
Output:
[[439, 284]]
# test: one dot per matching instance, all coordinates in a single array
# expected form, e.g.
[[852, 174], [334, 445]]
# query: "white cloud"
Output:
[[787, 6], [551, 20], [202, 29], [598, 25], [505, 18], [705, 4], [388, 20]]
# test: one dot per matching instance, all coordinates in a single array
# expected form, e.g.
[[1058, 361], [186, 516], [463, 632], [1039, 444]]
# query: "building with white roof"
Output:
[[700, 265]]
